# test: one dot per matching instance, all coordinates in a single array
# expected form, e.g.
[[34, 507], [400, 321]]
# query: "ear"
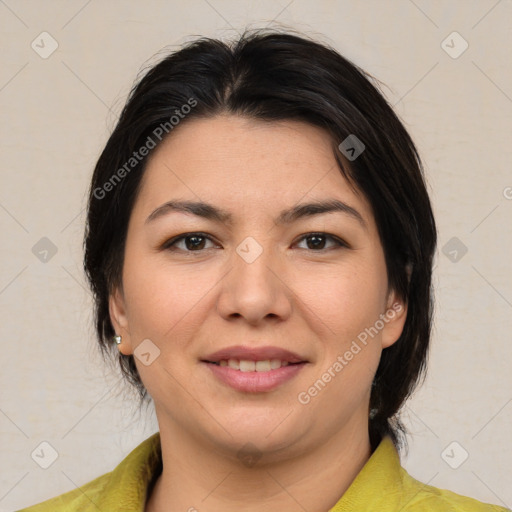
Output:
[[119, 319], [394, 319]]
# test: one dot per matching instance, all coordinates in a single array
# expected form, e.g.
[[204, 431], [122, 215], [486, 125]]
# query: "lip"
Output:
[[254, 354], [254, 382]]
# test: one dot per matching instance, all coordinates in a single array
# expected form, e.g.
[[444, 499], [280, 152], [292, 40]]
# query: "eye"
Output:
[[316, 241], [193, 242]]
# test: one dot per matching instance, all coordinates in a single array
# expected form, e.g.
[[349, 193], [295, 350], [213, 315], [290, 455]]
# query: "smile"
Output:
[[252, 369], [245, 365], [253, 376]]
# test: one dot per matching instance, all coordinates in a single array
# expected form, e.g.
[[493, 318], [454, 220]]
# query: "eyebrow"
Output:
[[213, 213]]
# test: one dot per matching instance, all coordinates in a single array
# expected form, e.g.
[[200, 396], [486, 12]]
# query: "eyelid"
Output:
[[170, 243], [339, 241]]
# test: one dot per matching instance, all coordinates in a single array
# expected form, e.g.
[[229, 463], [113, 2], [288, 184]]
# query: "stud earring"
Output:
[[117, 339]]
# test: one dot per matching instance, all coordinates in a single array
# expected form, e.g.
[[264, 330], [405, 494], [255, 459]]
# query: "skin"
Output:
[[311, 299]]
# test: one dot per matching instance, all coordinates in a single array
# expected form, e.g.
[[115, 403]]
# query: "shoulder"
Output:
[[385, 485], [82, 498], [124, 488], [421, 497]]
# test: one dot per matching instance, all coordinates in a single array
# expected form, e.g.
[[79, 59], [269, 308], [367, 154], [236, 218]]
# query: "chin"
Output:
[[268, 433], [257, 446]]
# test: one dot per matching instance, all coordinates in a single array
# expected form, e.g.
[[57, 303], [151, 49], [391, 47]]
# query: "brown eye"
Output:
[[192, 242], [317, 241]]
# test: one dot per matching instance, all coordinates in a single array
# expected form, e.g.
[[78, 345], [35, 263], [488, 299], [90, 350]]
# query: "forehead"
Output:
[[246, 163]]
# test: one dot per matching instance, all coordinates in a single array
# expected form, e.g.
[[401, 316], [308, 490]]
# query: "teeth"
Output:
[[234, 363], [262, 366], [275, 364], [245, 365]]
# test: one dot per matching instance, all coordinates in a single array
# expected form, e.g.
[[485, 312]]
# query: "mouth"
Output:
[[253, 370], [247, 365]]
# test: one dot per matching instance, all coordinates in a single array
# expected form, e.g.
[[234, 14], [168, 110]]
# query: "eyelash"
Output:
[[170, 244]]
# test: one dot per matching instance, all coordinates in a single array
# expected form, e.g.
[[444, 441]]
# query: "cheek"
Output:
[[163, 298], [345, 299]]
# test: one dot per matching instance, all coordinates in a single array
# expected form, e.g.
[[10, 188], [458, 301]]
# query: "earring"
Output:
[[117, 339]]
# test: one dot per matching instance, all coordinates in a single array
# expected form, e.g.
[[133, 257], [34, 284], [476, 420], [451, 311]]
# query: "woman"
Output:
[[259, 244]]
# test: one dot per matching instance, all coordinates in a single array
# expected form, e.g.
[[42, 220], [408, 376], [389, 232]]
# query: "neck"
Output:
[[197, 478]]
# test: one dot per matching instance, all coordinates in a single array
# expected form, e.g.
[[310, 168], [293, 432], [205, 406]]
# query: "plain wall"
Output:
[[57, 114]]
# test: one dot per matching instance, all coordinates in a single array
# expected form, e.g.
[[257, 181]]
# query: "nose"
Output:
[[255, 289]]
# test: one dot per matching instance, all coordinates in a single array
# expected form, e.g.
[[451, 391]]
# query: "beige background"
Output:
[[57, 114]]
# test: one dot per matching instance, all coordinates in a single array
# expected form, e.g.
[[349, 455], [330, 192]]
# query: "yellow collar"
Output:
[[134, 477], [382, 485]]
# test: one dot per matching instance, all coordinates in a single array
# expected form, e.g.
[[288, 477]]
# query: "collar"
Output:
[[380, 479], [131, 482]]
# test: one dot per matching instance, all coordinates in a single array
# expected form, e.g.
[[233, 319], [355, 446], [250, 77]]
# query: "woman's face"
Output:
[[308, 315]]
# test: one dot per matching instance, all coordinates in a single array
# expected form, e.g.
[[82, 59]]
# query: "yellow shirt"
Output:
[[381, 486]]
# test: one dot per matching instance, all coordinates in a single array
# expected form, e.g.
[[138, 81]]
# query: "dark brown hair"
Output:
[[278, 76]]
